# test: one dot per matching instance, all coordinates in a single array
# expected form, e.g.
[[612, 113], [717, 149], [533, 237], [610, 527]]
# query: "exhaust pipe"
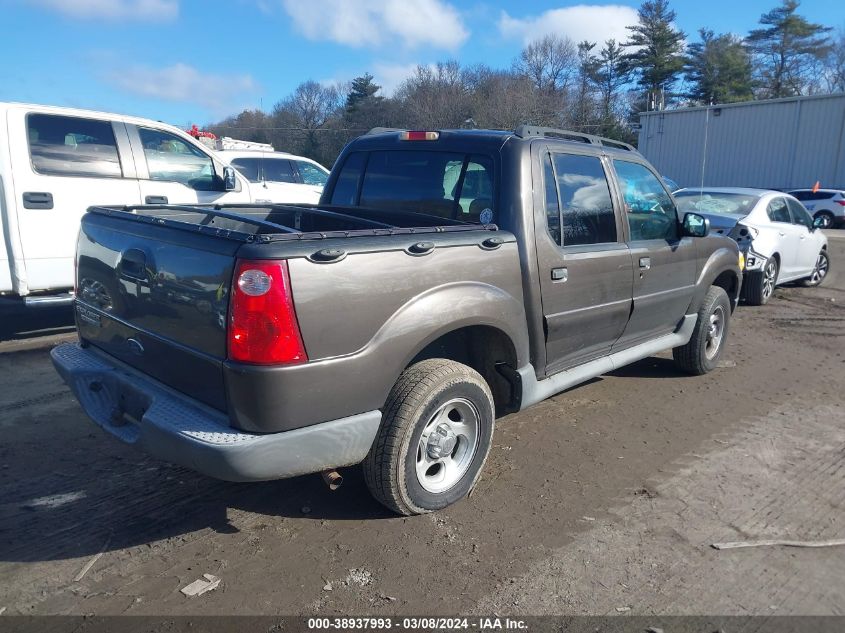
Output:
[[333, 479]]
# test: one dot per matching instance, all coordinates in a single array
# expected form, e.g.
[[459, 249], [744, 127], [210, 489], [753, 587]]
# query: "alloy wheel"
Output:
[[447, 445]]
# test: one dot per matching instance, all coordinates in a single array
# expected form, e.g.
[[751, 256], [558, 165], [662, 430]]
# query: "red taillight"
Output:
[[841, 203], [419, 135], [262, 321]]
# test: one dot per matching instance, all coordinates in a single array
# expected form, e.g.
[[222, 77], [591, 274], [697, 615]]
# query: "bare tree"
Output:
[[435, 96], [549, 62], [834, 64]]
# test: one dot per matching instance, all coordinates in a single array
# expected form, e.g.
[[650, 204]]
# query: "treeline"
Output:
[[586, 86]]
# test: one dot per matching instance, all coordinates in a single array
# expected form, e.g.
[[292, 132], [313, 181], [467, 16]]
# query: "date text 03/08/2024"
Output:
[[417, 623]]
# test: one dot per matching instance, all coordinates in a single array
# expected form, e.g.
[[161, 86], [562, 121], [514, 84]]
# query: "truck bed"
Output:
[[154, 288]]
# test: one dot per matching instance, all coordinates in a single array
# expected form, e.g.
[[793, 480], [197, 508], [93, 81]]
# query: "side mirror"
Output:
[[819, 223], [230, 180], [696, 225]]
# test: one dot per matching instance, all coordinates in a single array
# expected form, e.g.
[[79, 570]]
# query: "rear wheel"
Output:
[[820, 271], [435, 434], [760, 285], [704, 349], [826, 218]]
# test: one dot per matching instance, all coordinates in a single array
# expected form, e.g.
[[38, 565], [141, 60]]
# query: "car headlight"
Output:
[[741, 261]]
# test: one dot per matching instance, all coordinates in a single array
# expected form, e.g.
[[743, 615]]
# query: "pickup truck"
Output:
[[446, 279]]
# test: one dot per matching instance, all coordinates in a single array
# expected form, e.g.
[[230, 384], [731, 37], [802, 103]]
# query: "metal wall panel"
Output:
[[777, 144]]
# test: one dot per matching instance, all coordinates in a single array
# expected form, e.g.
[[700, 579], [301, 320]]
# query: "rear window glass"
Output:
[[448, 185], [72, 146], [259, 169], [715, 202]]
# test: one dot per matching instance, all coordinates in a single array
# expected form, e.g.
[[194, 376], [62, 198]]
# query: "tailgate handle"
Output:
[[328, 255], [492, 242], [37, 200], [133, 263], [421, 248], [155, 200]]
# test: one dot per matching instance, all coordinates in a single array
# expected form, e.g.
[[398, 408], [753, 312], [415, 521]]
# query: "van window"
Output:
[[311, 174], [72, 146], [172, 158]]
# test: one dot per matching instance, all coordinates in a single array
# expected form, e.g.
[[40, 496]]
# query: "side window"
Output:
[[650, 210], [171, 158], [586, 209], [802, 195], [551, 202], [311, 174], [72, 146], [799, 214], [248, 168], [346, 186], [278, 170], [778, 211]]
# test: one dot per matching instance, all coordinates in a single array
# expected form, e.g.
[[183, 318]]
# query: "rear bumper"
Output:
[[173, 427]]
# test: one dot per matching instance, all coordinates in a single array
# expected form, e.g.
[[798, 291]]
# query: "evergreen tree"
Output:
[[362, 89], [610, 76], [718, 69], [583, 111], [656, 58], [787, 50]]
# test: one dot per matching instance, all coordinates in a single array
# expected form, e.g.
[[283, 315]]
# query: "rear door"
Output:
[[63, 164], [584, 263], [174, 170], [787, 237], [664, 262]]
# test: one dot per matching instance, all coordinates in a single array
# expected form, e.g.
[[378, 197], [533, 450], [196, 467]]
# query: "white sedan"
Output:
[[780, 240]]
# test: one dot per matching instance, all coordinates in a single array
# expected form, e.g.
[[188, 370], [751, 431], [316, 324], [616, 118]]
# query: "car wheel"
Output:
[[820, 271], [701, 354], [826, 217], [760, 285], [435, 434]]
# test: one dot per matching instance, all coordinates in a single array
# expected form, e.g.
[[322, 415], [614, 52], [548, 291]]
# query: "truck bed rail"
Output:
[[238, 218]]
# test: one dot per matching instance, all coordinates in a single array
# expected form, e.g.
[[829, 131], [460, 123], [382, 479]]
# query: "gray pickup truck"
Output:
[[446, 279]]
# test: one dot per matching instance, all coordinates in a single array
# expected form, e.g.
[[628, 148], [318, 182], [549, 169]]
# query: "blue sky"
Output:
[[188, 61]]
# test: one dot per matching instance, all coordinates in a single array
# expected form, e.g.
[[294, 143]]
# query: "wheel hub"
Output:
[[441, 442]]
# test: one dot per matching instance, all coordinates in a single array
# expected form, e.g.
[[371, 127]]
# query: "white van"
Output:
[[56, 162], [276, 177]]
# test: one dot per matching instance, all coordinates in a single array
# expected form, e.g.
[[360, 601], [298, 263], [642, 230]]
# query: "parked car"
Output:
[[393, 323], [780, 240], [56, 162], [279, 177], [827, 205]]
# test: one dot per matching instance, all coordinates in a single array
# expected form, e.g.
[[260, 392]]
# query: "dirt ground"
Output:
[[603, 500]]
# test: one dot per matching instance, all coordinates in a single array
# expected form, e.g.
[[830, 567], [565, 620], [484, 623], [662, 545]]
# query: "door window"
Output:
[[72, 146], [311, 174], [778, 211], [799, 214], [649, 207], [174, 159], [582, 196], [259, 169]]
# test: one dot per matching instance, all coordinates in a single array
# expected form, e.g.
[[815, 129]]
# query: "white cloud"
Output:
[[140, 10], [596, 23], [376, 22], [390, 76], [183, 83]]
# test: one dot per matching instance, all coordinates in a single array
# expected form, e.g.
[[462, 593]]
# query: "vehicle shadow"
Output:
[[18, 323], [651, 367]]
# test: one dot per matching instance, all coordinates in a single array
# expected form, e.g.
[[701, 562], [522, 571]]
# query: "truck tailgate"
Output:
[[157, 299]]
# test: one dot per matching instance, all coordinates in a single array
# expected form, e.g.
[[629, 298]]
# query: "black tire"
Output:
[[422, 391], [755, 289], [702, 353], [820, 272], [829, 220]]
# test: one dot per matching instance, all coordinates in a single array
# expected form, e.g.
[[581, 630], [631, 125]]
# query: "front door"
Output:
[[788, 240], [62, 165], [808, 244], [664, 262], [172, 170], [585, 266]]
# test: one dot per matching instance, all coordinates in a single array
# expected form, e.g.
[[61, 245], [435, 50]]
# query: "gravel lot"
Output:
[[602, 500]]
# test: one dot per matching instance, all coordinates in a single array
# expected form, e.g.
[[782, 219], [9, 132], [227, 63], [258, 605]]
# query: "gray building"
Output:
[[776, 144]]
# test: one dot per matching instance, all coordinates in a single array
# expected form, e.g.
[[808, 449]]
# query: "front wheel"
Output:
[[436, 431], [820, 271], [701, 354]]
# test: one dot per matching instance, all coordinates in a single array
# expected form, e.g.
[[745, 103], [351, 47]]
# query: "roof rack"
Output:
[[524, 131]]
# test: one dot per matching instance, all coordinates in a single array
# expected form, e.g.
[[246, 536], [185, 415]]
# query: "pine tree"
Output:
[[787, 49], [718, 69], [610, 76], [362, 89], [656, 58]]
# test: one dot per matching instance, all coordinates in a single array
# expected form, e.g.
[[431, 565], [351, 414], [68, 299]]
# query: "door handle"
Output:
[[781, 234], [645, 263], [37, 200], [155, 200], [560, 274]]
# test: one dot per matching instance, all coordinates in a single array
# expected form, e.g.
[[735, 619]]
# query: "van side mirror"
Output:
[[230, 180], [696, 225]]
